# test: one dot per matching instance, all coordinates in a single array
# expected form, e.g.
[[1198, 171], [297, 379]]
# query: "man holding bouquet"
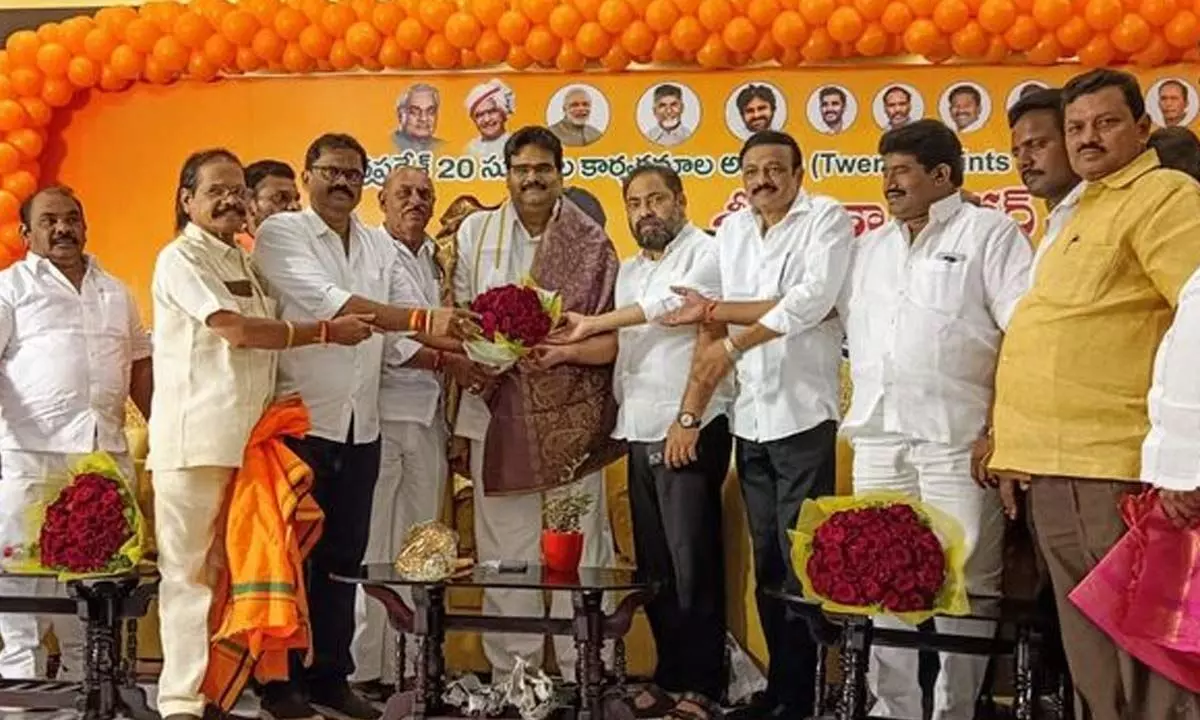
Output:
[[72, 351], [557, 402]]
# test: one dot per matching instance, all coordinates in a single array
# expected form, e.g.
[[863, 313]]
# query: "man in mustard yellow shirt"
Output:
[[1070, 411]]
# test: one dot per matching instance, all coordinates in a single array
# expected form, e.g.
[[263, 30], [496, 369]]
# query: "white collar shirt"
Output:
[[311, 275], [410, 394], [924, 318], [789, 385], [1171, 451], [651, 370], [1054, 224], [65, 358]]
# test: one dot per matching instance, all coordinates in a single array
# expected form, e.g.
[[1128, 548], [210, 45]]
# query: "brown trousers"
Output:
[[1077, 521]]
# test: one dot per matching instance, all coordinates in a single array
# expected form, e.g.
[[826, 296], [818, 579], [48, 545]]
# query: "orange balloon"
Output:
[[638, 39], [922, 8], [10, 206], [440, 54], [463, 30], [1157, 12], [766, 49], [238, 27], [1156, 52], [1045, 51], [1131, 34], [513, 28], [819, 47], [921, 36], [970, 42], [220, 52], [313, 9], [411, 34], [214, 10], [289, 23], [363, 9], [141, 35], [154, 72], [542, 45], [845, 24], [163, 14], [115, 19], [386, 17], [951, 15], [40, 114], [616, 59], [337, 19], [26, 81], [53, 59], [714, 15], [340, 57], [870, 9], [57, 92], [491, 48], [537, 11], [518, 58], [713, 54], [592, 41], [363, 40], [263, 10], [74, 31], [22, 47], [664, 51], [873, 42], [763, 12], [997, 16], [6, 90], [688, 35], [1098, 52], [434, 13], [296, 60], [200, 68], [1103, 14], [896, 18], [268, 45], [99, 44], [789, 30], [192, 30], [615, 15], [110, 81], [740, 35], [1023, 34], [171, 53], [12, 115], [10, 158], [569, 59], [488, 12], [22, 184], [50, 32], [1052, 14], [1183, 31], [315, 42], [661, 15], [1074, 34], [590, 9]]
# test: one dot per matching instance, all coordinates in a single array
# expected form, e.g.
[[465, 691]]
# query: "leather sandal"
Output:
[[663, 702], [704, 709]]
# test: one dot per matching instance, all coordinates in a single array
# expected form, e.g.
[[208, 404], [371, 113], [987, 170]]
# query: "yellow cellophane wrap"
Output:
[[953, 598], [132, 552]]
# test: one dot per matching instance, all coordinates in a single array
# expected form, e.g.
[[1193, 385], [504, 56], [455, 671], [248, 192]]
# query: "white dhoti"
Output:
[[28, 479], [939, 475], [412, 481], [510, 528]]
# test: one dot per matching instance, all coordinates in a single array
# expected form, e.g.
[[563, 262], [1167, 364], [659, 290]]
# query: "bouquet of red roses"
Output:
[[513, 318], [880, 553], [92, 527]]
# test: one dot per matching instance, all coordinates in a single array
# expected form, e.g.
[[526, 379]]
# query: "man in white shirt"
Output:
[[72, 351], [319, 264], [559, 389], [775, 269], [676, 505], [413, 467], [929, 295]]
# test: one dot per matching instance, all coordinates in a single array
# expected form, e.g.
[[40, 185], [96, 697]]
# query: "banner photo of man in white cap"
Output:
[[490, 105]]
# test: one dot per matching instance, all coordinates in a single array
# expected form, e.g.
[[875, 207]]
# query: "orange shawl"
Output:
[[273, 523]]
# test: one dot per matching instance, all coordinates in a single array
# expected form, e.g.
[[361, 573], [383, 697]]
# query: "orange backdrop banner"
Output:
[[122, 152]]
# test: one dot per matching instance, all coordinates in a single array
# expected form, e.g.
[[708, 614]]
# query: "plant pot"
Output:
[[561, 551]]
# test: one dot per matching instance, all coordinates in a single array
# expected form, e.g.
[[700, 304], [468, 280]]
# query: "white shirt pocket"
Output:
[[939, 282]]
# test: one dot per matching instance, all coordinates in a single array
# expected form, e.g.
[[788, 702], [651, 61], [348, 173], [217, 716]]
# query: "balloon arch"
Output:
[[163, 42]]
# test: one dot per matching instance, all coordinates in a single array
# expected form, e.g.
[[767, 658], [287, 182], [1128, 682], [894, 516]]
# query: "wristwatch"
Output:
[[731, 350], [688, 421]]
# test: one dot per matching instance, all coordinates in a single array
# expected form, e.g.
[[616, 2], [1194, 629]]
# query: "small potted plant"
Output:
[[562, 540]]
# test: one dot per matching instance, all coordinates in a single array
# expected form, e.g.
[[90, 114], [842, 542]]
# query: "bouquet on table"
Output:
[[880, 553], [513, 318], [92, 527]]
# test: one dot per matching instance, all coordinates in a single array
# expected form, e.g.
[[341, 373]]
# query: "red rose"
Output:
[[844, 594]]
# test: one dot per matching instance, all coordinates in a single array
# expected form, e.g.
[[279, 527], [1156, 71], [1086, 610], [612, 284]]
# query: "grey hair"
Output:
[[406, 97]]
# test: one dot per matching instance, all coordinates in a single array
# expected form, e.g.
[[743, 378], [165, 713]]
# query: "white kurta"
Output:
[[495, 249]]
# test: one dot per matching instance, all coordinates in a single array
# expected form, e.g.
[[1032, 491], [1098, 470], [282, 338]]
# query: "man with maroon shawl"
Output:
[[545, 424]]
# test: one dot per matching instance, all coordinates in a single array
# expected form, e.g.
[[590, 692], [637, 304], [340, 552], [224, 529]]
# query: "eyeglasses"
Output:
[[331, 174], [541, 170], [234, 192]]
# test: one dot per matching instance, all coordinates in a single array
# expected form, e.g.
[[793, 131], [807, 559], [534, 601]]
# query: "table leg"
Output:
[[819, 691], [430, 630], [1024, 701], [589, 640], [99, 609], [402, 619], [855, 659], [132, 697]]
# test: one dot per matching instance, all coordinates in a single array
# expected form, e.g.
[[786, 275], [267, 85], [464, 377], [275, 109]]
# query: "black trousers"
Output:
[[776, 478], [677, 537], [344, 476]]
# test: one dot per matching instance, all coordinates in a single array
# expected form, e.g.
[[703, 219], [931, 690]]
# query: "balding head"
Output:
[[407, 200]]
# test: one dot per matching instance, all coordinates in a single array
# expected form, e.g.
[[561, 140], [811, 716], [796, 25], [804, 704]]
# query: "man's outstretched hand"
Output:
[[693, 310], [573, 328]]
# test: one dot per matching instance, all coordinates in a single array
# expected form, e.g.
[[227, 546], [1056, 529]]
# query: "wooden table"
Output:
[[109, 608], [1019, 633], [429, 621]]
